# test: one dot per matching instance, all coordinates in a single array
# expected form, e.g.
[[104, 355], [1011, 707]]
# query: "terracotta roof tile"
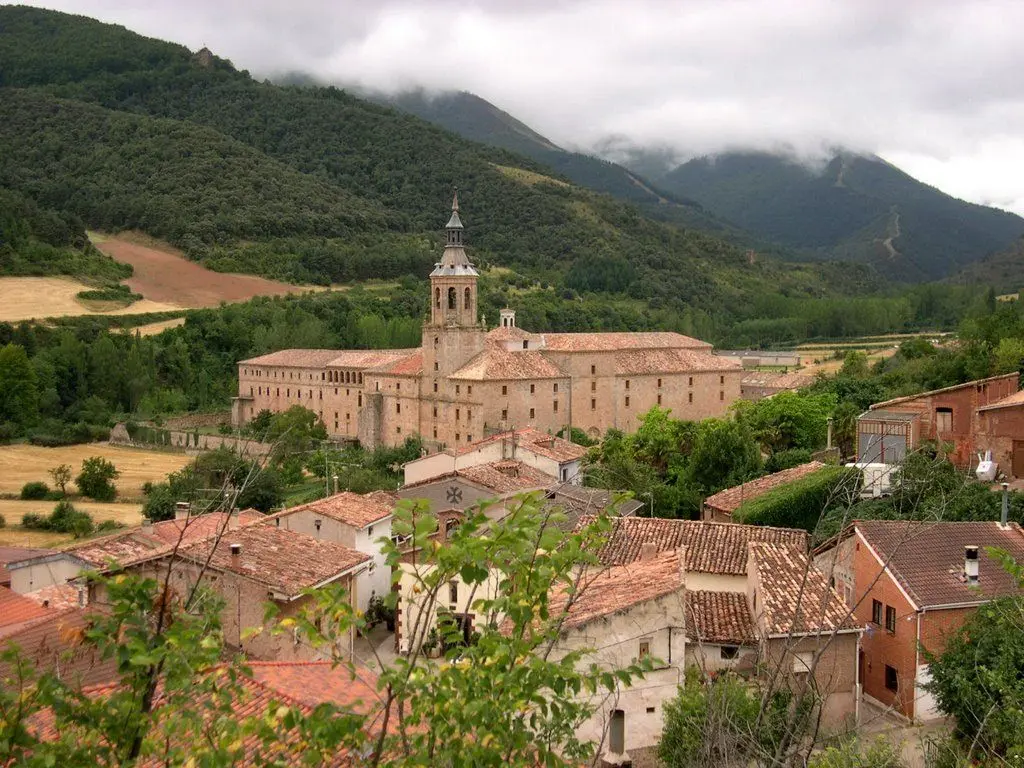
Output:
[[710, 547], [618, 588], [650, 361], [409, 365], [779, 381], [731, 499], [16, 610], [506, 476], [295, 358], [719, 617], [549, 446], [352, 509], [927, 558], [795, 596], [303, 685], [495, 364], [607, 342], [285, 561], [56, 643], [59, 597], [508, 333]]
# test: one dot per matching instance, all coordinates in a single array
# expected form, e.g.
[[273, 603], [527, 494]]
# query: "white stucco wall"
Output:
[[715, 582], [376, 578]]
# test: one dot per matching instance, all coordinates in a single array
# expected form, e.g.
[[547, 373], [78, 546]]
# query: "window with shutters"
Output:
[[876, 612], [943, 419], [890, 619]]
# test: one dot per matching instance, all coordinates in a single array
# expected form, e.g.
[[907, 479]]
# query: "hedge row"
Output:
[[800, 504]]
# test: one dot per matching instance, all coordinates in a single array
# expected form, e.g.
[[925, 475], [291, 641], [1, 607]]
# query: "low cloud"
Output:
[[931, 85]]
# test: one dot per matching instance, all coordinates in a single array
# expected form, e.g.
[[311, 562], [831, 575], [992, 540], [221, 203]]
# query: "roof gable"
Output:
[[733, 498], [795, 596], [352, 509]]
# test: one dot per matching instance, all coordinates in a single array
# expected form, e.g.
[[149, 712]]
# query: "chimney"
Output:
[[648, 550], [971, 564], [236, 553], [233, 520], [1004, 514], [182, 509]]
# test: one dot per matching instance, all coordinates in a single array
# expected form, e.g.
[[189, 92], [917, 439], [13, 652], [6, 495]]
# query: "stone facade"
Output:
[[465, 383]]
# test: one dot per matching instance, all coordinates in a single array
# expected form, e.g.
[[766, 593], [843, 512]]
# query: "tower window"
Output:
[[435, 386], [690, 397], [556, 388], [469, 389], [721, 395], [627, 401], [451, 298], [593, 370], [659, 382], [435, 411], [659, 398], [593, 404], [504, 389], [435, 433], [593, 386], [468, 299], [437, 303], [532, 413], [504, 414], [469, 413], [458, 389], [398, 407], [359, 400], [691, 381], [435, 366], [533, 388], [554, 406], [721, 379], [627, 383], [457, 412], [398, 386]]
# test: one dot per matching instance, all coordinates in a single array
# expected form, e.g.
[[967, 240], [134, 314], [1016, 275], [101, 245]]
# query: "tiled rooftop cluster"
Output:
[[719, 617], [502, 477], [356, 510], [796, 596]]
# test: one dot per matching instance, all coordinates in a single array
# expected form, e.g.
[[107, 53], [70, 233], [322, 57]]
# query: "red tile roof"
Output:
[[778, 381], [1017, 398], [618, 588], [795, 596], [352, 509], [16, 610], [651, 361], [410, 365], [284, 561], [541, 443], [303, 685], [606, 342], [927, 558], [330, 358], [731, 499], [57, 643], [58, 597], [502, 477], [495, 364], [508, 333], [135, 543], [719, 617], [710, 547]]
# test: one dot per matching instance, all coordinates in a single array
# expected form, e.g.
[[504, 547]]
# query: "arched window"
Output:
[[468, 298], [451, 299], [437, 298]]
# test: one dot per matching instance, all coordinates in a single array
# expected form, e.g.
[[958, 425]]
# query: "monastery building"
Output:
[[466, 382]]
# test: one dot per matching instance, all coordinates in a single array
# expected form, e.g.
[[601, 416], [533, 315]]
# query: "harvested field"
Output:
[[27, 298], [164, 274], [13, 535], [20, 464], [152, 329]]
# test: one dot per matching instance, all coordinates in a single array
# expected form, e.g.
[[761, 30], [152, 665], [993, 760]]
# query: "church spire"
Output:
[[453, 229]]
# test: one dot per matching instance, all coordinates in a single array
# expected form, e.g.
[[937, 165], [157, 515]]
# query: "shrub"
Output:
[[8, 432], [32, 521], [35, 490], [801, 504], [66, 519], [787, 459], [878, 754], [3, 521], [96, 479]]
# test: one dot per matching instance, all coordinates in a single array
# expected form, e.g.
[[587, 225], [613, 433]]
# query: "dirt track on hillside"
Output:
[[167, 276]]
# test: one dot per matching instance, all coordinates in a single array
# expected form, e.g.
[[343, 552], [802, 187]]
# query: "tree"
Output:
[[977, 679], [61, 475], [19, 396], [294, 432], [96, 479], [724, 454], [880, 753]]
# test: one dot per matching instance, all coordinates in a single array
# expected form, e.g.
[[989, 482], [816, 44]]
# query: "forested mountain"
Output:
[[35, 241], [1003, 270], [477, 119], [315, 184], [853, 208]]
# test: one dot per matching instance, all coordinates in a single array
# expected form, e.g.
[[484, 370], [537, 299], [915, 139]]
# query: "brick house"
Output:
[[889, 430], [466, 382], [1002, 432], [720, 506], [909, 584], [247, 567]]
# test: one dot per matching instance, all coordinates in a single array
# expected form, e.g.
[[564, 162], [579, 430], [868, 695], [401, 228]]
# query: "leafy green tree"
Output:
[[295, 432], [264, 492], [977, 680], [19, 395], [880, 753], [96, 480], [789, 419], [724, 454]]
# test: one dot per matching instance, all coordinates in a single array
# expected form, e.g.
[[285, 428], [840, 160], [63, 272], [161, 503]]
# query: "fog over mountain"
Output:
[[933, 86]]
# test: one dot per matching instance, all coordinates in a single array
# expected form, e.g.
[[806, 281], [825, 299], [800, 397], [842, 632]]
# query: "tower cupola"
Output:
[[453, 282]]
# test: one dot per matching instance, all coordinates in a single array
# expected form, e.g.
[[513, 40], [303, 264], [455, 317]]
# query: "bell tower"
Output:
[[453, 281], [454, 334]]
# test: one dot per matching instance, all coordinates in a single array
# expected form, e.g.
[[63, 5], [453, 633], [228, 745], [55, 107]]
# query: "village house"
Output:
[[14, 554], [248, 567], [357, 521], [1001, 430], [466, 382], [889, 430], [720, 506], [47, 568], [554, 456], [910, 584]]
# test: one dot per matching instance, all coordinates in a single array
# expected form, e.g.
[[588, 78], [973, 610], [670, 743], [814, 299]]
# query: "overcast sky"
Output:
[[934, 86]]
